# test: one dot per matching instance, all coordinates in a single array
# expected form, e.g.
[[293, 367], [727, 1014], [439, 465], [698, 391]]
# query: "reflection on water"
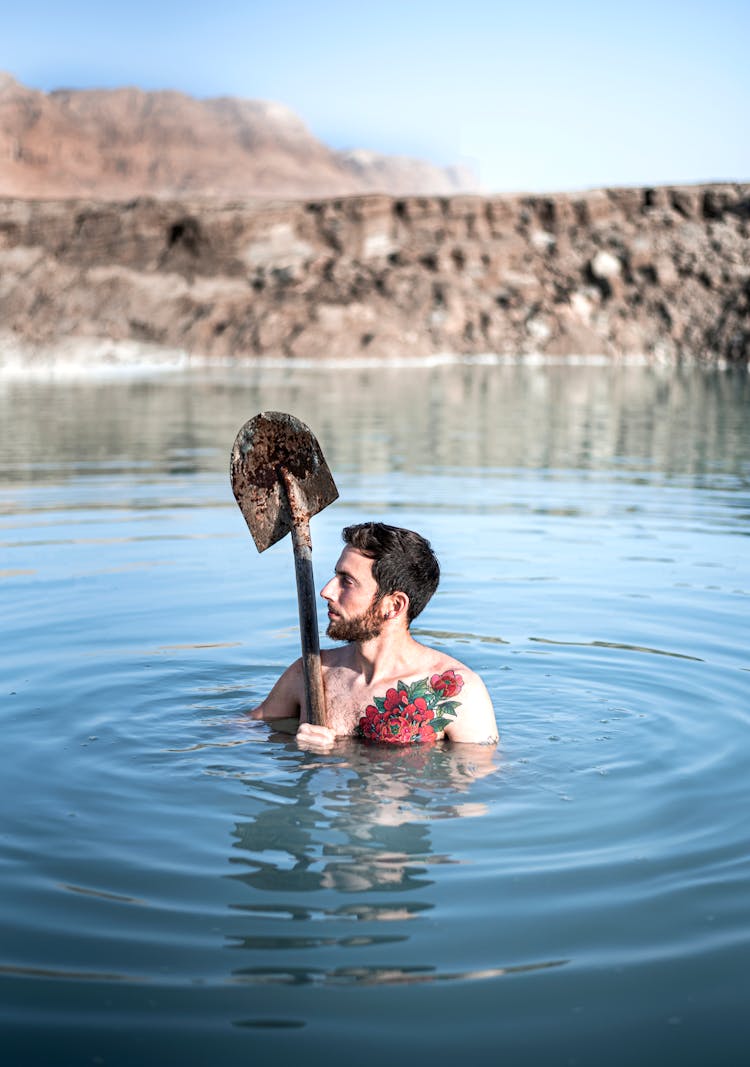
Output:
[[378, 976], [451, 416], [356, 824], [614, 644]]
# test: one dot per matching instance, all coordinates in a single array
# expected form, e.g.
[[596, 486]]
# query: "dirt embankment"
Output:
[[661, 272]]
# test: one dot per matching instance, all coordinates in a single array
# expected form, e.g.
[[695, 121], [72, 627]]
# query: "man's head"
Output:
[[384, 572], [402, 561]]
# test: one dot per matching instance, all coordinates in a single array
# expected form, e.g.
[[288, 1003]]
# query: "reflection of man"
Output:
[[382, 684]]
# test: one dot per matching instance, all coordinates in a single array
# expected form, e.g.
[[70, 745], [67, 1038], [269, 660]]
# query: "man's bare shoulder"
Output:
[[286, 697], [474, 720], [440, 661]]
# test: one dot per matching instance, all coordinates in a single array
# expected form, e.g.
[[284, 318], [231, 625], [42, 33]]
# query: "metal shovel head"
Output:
[[265, 445]]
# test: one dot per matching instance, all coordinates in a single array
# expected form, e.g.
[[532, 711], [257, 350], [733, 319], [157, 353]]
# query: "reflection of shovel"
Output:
[[280, 480]]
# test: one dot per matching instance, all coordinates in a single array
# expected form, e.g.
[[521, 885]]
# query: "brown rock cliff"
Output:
[[661, 272]]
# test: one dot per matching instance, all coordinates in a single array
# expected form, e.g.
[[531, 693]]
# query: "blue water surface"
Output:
[[181, 885]]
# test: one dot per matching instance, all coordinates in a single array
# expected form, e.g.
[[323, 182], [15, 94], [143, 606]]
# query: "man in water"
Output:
[[382, 684]]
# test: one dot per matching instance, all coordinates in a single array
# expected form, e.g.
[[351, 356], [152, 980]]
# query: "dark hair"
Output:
[[403, 561]]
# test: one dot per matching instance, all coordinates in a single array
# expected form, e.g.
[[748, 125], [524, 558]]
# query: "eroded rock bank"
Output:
[[662, 273]]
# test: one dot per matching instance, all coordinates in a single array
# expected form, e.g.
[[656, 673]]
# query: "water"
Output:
[[180, 885]]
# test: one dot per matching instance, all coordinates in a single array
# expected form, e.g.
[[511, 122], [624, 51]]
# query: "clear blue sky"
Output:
[[537, 96]]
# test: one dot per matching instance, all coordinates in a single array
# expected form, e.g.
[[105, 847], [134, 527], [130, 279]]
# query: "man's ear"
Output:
[[395, 605]]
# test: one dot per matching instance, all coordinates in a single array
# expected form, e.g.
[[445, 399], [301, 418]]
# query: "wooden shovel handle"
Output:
[[306, 601], [308, 625]]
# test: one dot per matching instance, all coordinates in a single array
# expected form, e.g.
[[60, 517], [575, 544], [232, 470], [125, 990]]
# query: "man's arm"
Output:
[[283, 704], [283, 709], [475, 722]]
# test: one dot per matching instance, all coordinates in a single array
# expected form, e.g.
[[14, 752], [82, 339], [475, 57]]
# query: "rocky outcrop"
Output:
[[124, 143], [661, 272]]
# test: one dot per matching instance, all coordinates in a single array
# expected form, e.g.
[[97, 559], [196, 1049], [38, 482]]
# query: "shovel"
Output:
[[280, 480]]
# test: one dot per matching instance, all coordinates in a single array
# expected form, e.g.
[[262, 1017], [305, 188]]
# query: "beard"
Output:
[[362, 628]]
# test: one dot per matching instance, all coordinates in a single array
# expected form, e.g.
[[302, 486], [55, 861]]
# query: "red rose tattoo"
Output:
[[447, 684], [412, 713]]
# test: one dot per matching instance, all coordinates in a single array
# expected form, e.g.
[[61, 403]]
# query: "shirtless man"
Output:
[[382, 684]]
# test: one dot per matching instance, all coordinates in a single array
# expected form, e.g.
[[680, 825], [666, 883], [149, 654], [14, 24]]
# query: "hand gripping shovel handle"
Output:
[[306, 601]]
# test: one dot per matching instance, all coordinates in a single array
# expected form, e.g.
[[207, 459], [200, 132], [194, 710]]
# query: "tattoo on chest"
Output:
[[416, 712]]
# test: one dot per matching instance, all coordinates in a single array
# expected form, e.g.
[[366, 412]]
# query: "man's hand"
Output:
[[315, 738]]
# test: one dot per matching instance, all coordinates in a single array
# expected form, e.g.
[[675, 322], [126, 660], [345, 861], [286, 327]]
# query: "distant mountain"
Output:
[[123, 143]]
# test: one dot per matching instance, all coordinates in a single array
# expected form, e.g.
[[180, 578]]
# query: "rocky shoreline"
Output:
[[661, 274]]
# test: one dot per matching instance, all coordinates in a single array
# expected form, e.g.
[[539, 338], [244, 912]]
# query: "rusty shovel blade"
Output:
[[270, 448]]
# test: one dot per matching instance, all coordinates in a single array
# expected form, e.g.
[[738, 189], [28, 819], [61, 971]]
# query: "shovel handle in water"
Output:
[[306, 601]]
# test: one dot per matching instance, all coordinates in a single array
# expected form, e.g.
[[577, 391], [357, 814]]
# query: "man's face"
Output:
[[354, 613]]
